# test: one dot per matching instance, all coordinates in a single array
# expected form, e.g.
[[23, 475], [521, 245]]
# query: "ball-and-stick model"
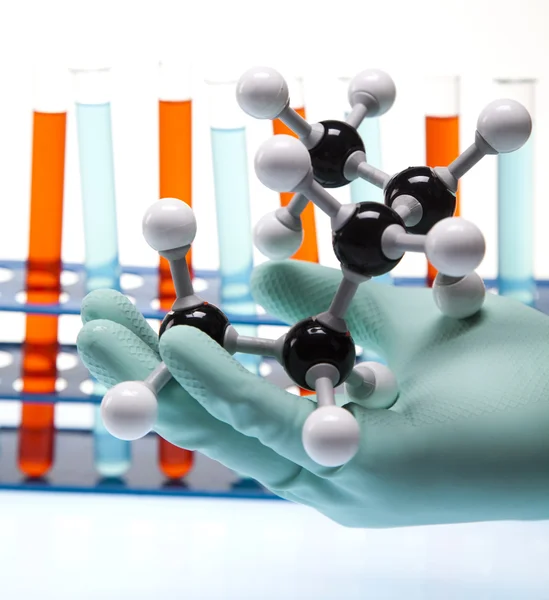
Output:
[[315, 356], [369, 239]]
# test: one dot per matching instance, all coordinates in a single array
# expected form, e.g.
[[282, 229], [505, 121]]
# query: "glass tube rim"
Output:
[[434, 78], [79, 70], [443, 75], [230, 81], [516, 80]]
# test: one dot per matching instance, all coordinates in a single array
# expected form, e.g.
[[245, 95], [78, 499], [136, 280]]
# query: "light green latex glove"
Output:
[[467, 440]]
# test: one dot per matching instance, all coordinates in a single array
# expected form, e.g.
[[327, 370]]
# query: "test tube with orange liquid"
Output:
[[43, 277], [442, 131], [175, 166]]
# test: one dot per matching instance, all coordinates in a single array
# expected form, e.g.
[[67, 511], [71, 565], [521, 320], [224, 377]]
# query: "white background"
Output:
[[476, 39], [89, 547], [321, 40], [96, 539]]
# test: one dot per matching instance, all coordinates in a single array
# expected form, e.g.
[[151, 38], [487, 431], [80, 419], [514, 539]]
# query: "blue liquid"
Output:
[[234, 229], [364, 191], [112, 456], [516, 224], [98, 195]]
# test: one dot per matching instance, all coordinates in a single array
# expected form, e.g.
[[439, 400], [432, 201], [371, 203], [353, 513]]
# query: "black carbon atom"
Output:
[[309, 343], [437, 201], [206, 317], [329, 156], [357, 244]]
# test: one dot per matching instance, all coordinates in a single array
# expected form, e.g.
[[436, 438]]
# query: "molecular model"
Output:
[[369, 239]]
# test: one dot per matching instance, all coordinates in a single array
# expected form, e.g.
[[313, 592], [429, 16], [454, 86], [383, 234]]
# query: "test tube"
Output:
[[442, 108], [43, 277], [92, 89], [112, 459], [93, 122], [232, 201], [175, 179], [175, 152], [308, 250], [515, 192], [370, 133]]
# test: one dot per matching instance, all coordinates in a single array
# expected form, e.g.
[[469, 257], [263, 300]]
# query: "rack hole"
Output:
[[69, 278], [130, 281], [87, 387], [199, 285], [6, 359], [66, 361], [5, 275], [265, 369]]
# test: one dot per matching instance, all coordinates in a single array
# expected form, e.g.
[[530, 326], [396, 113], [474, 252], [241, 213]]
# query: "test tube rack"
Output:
[[73, 469]]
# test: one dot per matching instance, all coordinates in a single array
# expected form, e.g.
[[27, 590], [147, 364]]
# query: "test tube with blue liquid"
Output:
[[370, 133], [95, 148], [361, 190], [515, 192], [232, 202]]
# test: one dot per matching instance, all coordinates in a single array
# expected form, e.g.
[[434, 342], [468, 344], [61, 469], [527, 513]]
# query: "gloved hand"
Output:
[[467, 440]]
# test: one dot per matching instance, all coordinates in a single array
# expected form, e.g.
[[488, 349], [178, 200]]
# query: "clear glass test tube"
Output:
[[43, 278], [175, 150], [442, 110], [515, 192], [92, 88], [309, 247], [370, 132], [175, 180], [232, 200], [92, 91]]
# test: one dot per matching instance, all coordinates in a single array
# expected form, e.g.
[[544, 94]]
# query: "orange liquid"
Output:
[[174, 462], [175, 149], [442, 147], [309, 248], [43, 285]]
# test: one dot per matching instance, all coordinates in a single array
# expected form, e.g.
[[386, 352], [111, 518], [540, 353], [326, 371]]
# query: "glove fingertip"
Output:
[[88, 336], [93, 305], [88, 345], [112, 353]]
